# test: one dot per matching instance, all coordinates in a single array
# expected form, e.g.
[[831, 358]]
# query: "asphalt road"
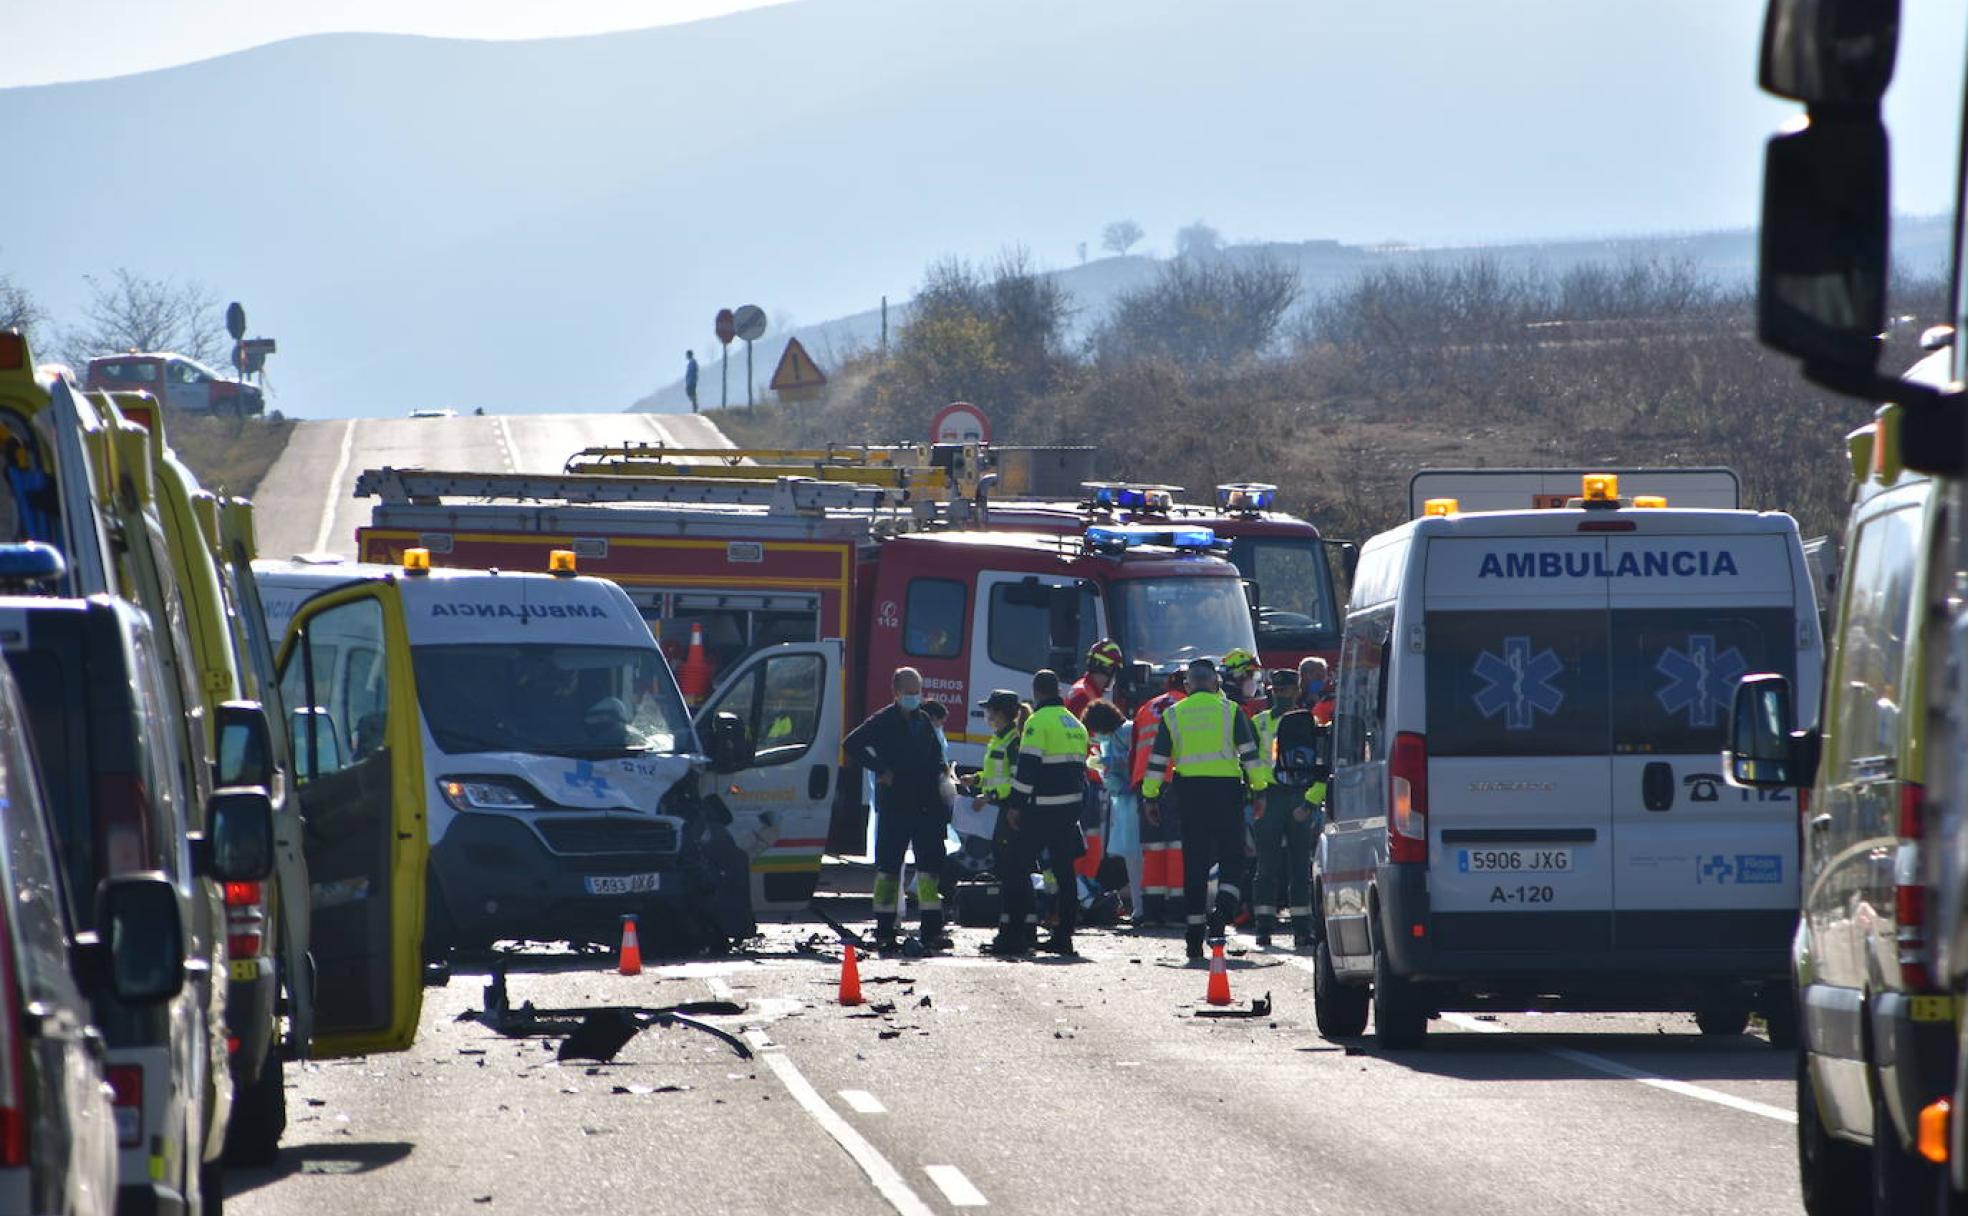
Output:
[[1048, 1086], [305, 503]]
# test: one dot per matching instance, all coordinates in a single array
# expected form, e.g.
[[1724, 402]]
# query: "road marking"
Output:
[[756, 1036], [505, 441], [662, 432], [719, 988], [955, 1187], [1614, 1068], [863, 1102], [335, 491], [886, 1178]]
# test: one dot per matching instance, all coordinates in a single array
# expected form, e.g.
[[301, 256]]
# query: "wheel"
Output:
[[1399, 1016], [211, 1189], [1902, 1181], [1722, 1016], [1340, 1010], [1831, 1172], [259, 1116]]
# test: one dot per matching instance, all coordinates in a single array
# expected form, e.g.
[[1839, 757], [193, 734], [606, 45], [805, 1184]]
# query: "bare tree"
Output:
[[130, 311], [1120, 236], [1201, 312], [17, 309], [1198, 240]]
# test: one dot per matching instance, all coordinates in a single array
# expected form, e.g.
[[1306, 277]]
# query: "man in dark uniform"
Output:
[[899, 745]]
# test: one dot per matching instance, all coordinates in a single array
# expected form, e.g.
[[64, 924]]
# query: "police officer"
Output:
[[1282, 825], [1046, 791], [1208, 743], [898, 743]]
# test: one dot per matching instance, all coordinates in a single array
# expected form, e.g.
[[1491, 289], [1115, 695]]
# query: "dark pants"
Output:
[[1284, 856], [1056, 833], [897, 830], [1212, 834]]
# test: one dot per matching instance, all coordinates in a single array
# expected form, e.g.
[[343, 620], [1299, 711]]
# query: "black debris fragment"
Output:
[[1259, 1008]]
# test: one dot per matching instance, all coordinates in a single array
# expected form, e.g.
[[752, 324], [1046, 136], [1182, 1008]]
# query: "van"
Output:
[[1527, 809]]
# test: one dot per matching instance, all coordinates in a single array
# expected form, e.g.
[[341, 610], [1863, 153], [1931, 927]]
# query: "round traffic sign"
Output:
[[960, 422], [749, 321], [236, 320], [725, 328]]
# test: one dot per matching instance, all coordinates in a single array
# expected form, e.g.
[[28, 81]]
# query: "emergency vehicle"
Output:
[[750, 563], [1527, 806]]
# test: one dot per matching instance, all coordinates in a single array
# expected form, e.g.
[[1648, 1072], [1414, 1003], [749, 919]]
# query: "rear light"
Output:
[[13, 1059], [126, 1087], [245, 919], [244, 945], [1910, 893], [122, 808], [243, 894], [1407, 799]]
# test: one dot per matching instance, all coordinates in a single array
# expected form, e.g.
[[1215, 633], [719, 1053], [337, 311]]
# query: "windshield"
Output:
[[1168, 620], [588, 701], [1294, 584]]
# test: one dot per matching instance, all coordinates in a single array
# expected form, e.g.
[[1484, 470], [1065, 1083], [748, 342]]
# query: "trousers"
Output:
[[1284, 856], [897, 831], [1056, 833], [1212, 835]]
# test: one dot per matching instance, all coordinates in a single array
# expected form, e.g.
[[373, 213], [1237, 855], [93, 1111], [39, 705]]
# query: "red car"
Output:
[[181, 383]]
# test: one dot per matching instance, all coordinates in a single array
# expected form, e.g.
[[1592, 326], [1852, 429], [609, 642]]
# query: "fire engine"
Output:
[[727, 570]]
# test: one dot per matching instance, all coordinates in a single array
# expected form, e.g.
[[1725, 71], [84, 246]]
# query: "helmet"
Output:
[[1238, 662], [1105, 655]]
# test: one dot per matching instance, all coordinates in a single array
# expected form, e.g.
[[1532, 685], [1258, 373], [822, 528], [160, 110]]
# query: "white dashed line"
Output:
[[863, 1102], [885, 1176], [1614, 1068], [756, 1036], [720, 988], [506, 442], [335, 490], [955, 1187]]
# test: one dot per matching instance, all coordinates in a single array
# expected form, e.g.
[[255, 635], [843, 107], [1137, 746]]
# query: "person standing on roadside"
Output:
[[899, 745], [1315, 689], [1046, 793], [690, 378], [1160, 880]]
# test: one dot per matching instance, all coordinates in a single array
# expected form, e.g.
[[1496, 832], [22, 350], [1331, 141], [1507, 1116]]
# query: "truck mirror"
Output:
[[1829, 52], [1765, 749], [245, 750], [1821, 281], [142, 928], [238, 843], [729, 748]]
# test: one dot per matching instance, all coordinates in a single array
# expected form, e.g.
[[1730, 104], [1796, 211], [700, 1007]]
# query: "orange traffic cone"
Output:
[[850, 978], [694, 673], [1219, 980], [631, 963]]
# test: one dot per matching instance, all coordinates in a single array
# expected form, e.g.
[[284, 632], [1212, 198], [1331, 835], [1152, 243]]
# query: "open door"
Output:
[[788, 699], [355, 734]]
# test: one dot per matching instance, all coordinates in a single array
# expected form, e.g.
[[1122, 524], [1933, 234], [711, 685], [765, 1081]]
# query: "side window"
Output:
[[336, 688], [1879, 623], [1020, 633], [933, 621], [741, 700], [1360, 706], [790, 709]]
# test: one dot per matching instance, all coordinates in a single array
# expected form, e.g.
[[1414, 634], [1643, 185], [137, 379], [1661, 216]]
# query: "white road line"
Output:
[[885, 1177], [662, 432], [955, 1187], [756, 1036], [335, 490], [719, 988], [1614, 1068], [863, 1102], [506, 441]]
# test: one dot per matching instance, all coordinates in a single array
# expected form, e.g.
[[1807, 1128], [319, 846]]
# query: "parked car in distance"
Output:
[[434, 413], [180, 382]]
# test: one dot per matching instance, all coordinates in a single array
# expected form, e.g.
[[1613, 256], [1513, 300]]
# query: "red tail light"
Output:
[[1910, 893], [243, 894], [1407, 799], [1911, 827], [245, 919], [13, 1059], [122, 808], [126, 1086]]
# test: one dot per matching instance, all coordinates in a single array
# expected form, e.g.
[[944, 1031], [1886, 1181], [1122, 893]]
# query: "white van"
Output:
[[1527, 806]]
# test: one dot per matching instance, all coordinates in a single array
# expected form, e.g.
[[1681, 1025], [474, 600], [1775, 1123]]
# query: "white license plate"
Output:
[[624, 884], [1514, 861]]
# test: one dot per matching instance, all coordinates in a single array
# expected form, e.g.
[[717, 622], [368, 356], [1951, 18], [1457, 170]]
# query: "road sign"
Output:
[[960, 422], [236, 320], [796, 373], [749, 321], [724, 326]]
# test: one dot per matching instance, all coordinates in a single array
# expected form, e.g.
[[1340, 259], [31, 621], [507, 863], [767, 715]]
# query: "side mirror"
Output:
[[1821, 278], [1829, 52], [238, 844], [139, 920], [730, 749], [1765, 750], [245, 748]]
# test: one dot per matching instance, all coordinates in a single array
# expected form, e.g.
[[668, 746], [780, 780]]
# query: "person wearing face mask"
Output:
[[1314, 691], [900, 745]]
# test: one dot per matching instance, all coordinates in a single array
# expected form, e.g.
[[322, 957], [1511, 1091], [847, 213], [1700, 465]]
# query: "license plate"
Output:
[[1514, 861], [624, 884]]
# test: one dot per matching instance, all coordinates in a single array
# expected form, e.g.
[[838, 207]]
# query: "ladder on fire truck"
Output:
[[782, 495], [950, 471]]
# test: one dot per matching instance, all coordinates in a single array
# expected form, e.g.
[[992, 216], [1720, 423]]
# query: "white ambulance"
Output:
[[1527, 807]]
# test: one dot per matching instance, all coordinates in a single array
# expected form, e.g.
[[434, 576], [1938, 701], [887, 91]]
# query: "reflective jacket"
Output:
[[1266, 725], [1205, 735], [1147, 723], [1052, 757], [999, 755]]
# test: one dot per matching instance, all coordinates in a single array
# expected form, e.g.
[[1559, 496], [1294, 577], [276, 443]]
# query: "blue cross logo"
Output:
[[1717, 869], [1518, 685], [584, 774], [1700, 680]]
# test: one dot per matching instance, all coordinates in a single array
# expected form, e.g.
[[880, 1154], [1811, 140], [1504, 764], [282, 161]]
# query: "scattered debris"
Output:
[[597, 1032], [890, 1033], [1260, 1007], [924, 1003]]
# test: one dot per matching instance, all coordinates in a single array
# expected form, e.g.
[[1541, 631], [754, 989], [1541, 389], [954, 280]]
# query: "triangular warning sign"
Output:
[[796, 369]]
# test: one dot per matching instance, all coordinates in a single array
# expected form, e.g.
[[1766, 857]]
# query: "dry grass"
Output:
[[229, 455]]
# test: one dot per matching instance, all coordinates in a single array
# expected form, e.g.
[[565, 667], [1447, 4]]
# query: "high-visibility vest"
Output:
[[1266, 725], [995, 777], [1052, 757], [1207, 736], [1147, 724]]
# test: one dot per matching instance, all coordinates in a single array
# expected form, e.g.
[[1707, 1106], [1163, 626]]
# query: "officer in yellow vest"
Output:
[[1046, 791], [1208, 743]]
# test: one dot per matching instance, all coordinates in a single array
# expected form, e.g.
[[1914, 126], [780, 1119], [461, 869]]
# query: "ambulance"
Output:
[[1527, 807]]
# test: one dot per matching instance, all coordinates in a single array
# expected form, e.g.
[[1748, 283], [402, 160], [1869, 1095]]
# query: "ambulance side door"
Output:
[[789, 699]]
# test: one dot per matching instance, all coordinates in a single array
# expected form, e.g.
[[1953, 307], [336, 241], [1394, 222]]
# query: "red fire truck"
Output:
[[762, 565]]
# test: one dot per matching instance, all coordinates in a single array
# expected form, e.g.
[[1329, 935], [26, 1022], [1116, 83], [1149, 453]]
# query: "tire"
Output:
[[1400, 1018], [259, 1116], [1339, 1009], [1723, 1016], [1902, 1181], [1832, 1173]]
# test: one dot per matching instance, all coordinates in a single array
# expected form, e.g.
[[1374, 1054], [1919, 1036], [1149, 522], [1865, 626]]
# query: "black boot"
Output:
[[1195, 942], [1153, 911], [1011, 941], [1265, 924], [1302, 934], [934, 936], [884, 938]]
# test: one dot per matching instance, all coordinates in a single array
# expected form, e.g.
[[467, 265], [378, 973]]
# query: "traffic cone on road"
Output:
[[1219, 979], [850, 978], [631, 962], [694, 673]]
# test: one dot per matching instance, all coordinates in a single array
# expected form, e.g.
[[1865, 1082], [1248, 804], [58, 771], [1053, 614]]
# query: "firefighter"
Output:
[[898, 743], [1047, 788], [1212, 749], [1282, 823], [1103, 667], [1161, 842], [1242, 679]]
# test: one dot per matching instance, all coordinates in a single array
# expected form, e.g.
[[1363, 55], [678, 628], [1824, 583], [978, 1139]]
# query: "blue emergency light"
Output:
[[32, 562], [1129, 536], [1245, 497], [1121, 496]]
